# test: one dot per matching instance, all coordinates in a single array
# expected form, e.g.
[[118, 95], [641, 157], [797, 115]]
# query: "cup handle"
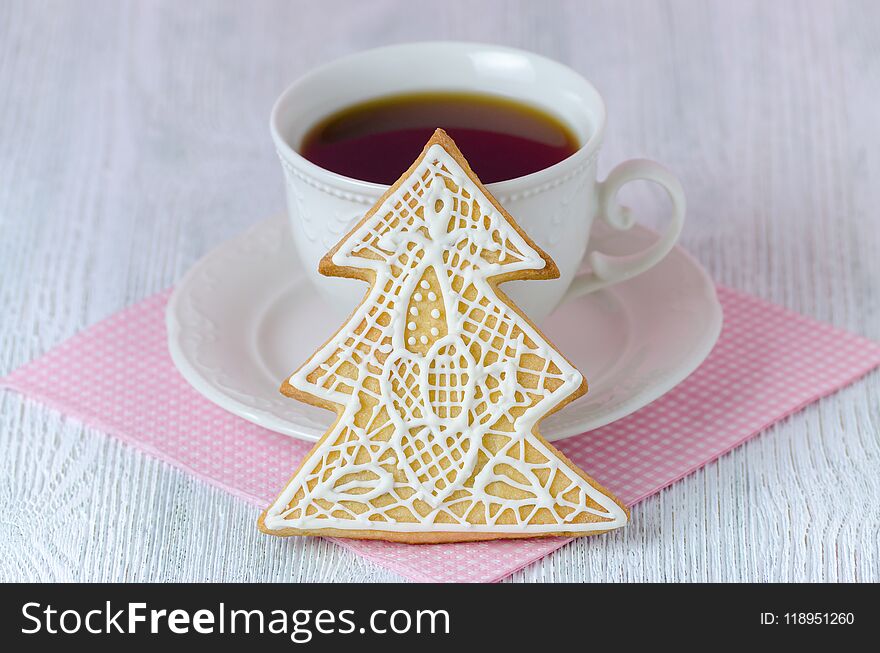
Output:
[[607, 270]]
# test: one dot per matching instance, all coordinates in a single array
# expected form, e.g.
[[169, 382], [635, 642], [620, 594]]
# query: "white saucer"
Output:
[[244, 317]]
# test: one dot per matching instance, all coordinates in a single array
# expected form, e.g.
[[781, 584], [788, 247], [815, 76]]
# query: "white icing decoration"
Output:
[[418, 297], [432, 296], [435, 313], [414, 311], [411, 326], [484, 398], [423, 340]]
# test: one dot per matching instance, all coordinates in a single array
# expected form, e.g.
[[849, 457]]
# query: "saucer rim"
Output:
[[272, 422]]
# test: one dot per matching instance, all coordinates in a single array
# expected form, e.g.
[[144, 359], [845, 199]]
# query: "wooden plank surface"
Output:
[[133, 138]]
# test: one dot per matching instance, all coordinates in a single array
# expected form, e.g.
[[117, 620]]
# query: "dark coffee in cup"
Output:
[[377, 140]]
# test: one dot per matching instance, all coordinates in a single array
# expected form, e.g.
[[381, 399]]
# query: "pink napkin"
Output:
[[768, 363]]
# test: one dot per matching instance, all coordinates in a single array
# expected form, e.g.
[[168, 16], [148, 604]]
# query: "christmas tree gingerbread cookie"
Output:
[[439, 381]]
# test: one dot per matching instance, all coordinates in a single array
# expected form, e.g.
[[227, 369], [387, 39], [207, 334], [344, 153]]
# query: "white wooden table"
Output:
[[133, 138]]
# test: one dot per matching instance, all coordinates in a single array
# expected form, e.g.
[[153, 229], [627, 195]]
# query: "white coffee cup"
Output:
[[555, 206]]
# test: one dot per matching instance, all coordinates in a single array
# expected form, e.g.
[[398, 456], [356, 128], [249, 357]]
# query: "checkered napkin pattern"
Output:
[[768, 363]]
